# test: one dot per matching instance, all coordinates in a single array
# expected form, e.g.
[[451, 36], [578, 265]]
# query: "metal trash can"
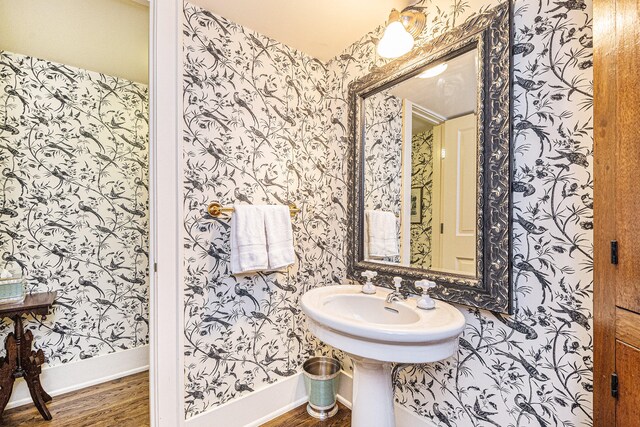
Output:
[[321, 376]]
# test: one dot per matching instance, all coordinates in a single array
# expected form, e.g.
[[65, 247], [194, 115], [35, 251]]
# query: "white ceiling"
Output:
[[322, 29], [450, 94]]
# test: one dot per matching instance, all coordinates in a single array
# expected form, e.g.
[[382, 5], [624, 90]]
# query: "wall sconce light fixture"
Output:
[[399, 36]]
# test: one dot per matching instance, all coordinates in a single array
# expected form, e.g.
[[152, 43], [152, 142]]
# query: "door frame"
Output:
[[405, 206], [166, 375], [605, 154]]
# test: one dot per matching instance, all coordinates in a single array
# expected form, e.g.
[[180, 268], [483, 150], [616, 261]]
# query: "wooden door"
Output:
[[616, 210], [628, 371], [628, 147], [458, 218]]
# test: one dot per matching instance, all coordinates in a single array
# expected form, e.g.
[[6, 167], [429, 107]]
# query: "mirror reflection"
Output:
[[420, 169]]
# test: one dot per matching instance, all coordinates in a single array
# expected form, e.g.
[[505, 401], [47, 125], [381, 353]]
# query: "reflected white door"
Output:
[[458, 186]]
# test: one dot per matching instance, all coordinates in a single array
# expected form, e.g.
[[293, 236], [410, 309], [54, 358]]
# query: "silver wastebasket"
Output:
[[321, 376]]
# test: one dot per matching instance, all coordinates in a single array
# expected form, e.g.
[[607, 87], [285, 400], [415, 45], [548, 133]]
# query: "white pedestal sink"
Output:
[[375, 335]]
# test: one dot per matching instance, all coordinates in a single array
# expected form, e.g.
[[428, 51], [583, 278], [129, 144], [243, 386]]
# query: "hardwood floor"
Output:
[[299, 418], [123, 403]]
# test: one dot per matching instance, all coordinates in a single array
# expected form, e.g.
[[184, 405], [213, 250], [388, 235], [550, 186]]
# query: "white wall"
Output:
[[107, 36]]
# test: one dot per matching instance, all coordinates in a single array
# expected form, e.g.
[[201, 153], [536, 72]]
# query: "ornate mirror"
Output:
[[430, 166]]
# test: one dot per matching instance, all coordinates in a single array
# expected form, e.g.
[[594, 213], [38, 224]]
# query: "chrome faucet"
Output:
[[396, 295]]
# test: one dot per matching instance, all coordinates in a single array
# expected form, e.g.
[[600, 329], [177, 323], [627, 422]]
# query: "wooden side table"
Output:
[[21, 361]]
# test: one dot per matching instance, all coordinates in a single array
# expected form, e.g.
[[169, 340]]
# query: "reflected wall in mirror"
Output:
[[420, 156], [431, 165]]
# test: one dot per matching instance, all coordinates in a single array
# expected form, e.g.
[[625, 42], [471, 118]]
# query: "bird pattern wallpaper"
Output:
[[422, 177], [74, 216], [533, 368], [267, 124], [255, 131], [383, 152], [383, 157]]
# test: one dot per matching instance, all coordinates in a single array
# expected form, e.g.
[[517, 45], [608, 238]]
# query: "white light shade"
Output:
[[434, 71], [395, 41]]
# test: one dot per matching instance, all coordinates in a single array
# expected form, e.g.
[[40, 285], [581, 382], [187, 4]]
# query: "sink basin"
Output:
[[368, 310], [366, 326], [376, 334]]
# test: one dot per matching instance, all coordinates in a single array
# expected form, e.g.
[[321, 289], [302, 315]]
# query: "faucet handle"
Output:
[[425, 284], [368, 274], [425, 302], [369, 288], [397, 283]]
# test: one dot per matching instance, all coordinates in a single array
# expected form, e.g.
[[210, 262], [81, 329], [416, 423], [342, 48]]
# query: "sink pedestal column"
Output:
[[372, 394]]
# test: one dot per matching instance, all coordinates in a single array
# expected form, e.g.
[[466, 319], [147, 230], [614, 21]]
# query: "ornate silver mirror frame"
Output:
[[490, 34]]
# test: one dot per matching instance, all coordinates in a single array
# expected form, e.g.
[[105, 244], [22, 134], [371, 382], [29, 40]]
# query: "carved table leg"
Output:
[[8, 365], [29, 367]]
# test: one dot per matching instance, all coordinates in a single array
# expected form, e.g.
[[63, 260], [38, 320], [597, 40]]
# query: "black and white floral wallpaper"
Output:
[[383, 152], [255, 131], [533, 368], [422, 177], [383, 157], [267, 124], [74, 215]]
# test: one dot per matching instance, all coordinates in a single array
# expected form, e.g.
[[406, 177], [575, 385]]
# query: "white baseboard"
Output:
[[404, 416], [61, 379], [256, 408], [270, 402]]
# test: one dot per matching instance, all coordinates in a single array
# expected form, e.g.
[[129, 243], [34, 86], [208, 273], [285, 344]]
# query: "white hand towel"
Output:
[[381, 234], [392, 235], [277, 222], [248, 240]]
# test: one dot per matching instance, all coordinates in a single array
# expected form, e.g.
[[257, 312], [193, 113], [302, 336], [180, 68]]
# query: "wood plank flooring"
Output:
[[299, 418], [123, 403]]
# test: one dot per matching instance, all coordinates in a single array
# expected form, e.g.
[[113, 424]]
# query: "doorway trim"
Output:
[[166, 291]]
